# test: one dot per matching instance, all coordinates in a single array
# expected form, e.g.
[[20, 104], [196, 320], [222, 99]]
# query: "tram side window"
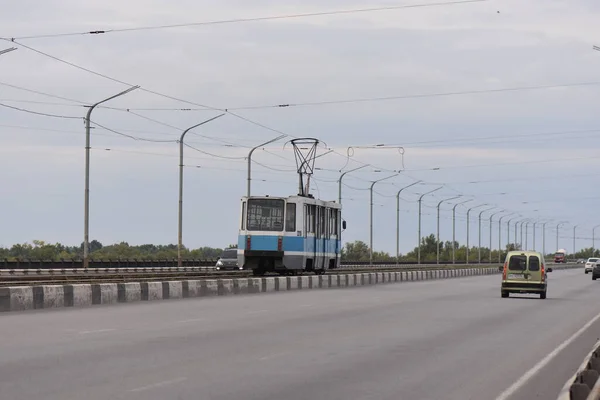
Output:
[[265, 215], [290, 217]]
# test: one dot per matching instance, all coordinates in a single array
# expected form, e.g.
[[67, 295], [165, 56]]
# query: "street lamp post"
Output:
[[574, 230], [86, 212], [454, 229], [544, 237], [492, 216], [508, 231], [7, 50], [479, 249], [340, 181], [438, 227], [249, 178], [500, 237], [180, 219], [398, 220], [521, 228], [468, 212], [371, 217], [557, 228], [594, 240], [419, 243]]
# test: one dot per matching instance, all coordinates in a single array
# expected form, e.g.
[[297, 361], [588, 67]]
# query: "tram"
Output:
[[289, 235], [292, 234]]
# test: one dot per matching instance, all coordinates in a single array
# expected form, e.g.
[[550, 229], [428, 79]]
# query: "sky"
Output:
[[494, 101]]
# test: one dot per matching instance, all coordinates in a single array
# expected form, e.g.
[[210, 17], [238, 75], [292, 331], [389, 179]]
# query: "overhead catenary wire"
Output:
[[181, 100], [251, 19], [40, 113], [234, 114], [42, 93], [416, 96], [137, 138]]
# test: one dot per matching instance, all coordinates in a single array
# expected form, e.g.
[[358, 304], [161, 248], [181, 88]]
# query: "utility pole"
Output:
[[468, 212], [508, 231], [557, 228], [522, 222], [500, 237], [594, 240], [438, 227], [454, 229], [86, 212], [492, 216], [544, 238], [180, 216], [398, 220], [371, 217], [479, 249], [574, 249], [249, 178], [340, 181], [419, 243]]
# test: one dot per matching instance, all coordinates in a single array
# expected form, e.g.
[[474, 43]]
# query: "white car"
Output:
[[590, 263]]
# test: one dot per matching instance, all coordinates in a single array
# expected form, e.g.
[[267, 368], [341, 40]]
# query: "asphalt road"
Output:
[[447, 339]]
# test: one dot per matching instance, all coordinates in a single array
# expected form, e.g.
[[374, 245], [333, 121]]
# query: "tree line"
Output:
[[352, 251]]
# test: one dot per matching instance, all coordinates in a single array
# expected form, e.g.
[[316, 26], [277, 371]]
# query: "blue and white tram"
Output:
[[289, 234]]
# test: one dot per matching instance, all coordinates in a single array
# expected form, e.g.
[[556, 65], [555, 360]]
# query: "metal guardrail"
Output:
[[171, 263], [159, 269], [584, 385]]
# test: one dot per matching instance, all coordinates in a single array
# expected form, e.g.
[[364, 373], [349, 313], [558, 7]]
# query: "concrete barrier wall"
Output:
[[585, 383], [21, 298]]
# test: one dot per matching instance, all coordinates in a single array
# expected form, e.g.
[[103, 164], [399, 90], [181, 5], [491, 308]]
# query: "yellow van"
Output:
[[524, 272]]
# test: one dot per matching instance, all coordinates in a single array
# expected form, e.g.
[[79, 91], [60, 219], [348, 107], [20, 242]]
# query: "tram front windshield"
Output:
[[265, 215]]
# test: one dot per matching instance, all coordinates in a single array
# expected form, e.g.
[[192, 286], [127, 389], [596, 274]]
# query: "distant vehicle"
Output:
[[596, 270], [525, 272], [560, 256], [589, 265], [581, 261], [228, 260]]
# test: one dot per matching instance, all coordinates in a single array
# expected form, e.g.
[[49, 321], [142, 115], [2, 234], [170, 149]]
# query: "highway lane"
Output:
[[447, 339]]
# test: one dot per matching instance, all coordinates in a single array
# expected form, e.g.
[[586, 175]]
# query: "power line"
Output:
[[137, 138], [211, 154], [181, 100], [508, 137], [42, 93], [255, 19], [507, 163], [416, 96], [40, 113]]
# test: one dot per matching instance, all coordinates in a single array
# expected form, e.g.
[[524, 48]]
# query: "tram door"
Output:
[[310, 229], [322, 237]]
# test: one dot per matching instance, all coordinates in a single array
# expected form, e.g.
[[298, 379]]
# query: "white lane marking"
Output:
[[274, 355], [159, 384], [536, 368], [189, 320], [96, 331]]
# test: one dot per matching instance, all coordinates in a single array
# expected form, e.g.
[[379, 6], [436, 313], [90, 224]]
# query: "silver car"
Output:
[[228, 260], [589, 265]]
